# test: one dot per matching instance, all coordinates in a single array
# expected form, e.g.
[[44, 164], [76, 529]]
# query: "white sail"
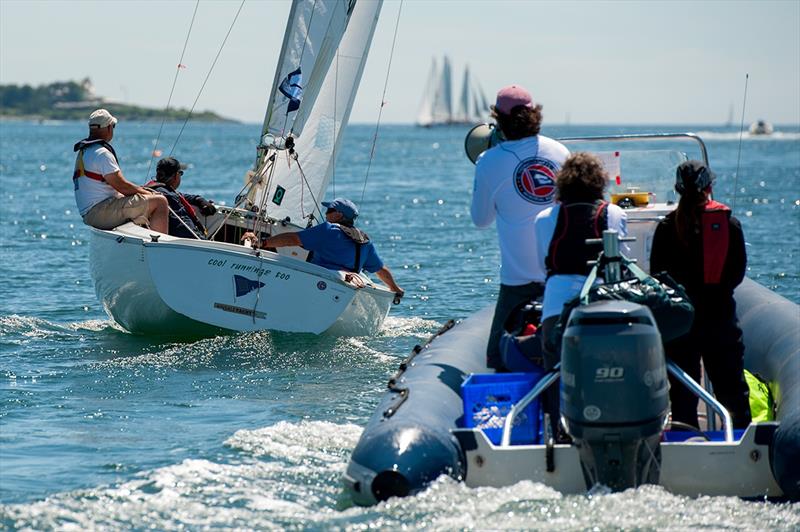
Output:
[[425, 115], [313, 33], [464, 114], [437, 105], [442, 99], [294, 188]]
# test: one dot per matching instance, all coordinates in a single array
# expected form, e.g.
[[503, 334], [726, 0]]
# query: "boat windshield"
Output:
[[642, 164]]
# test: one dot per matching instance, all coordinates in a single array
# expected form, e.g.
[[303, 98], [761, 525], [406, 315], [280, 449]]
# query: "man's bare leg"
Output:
[[158, 213]]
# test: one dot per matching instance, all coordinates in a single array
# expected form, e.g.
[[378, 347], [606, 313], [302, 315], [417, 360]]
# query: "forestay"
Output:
[[322, 60]]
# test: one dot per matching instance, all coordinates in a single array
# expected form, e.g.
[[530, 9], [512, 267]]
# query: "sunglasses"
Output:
[[330, 211]]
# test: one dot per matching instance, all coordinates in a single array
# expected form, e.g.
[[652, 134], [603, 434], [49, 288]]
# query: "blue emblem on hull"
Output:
[[244, 286]]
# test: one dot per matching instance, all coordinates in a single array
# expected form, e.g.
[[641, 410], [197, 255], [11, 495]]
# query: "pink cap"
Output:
[[512, 96]]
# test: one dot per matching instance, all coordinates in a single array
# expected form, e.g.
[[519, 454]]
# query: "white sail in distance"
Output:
[[442, 111], [293, 189], [437, 104], [425, 115]]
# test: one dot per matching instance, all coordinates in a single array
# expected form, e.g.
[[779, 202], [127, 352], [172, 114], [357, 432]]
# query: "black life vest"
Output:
[[80, 147], [359, 238], [568, 252], [171, 193], [715, 230]]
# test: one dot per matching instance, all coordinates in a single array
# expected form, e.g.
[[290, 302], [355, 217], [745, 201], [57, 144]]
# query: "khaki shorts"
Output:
[[113, 212]]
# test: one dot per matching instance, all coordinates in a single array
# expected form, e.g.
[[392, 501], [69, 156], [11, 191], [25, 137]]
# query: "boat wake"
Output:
[[18, 329], [287, 475], [317, 442], [395, 327], [734, 135]]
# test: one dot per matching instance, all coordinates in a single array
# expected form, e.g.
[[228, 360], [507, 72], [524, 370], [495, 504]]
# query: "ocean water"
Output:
[[100, 429]]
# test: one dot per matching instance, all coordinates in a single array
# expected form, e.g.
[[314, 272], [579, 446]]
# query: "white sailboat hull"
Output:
[[180, 286]]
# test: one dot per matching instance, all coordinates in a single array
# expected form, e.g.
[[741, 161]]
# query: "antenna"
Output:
[[739, 154]]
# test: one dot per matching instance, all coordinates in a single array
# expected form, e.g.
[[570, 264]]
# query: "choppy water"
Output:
[[100, 429]]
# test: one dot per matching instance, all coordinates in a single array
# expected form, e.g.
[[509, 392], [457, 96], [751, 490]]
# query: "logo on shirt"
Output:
[[534, 180]]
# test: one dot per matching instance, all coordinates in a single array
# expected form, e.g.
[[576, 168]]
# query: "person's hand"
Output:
[[250, 239], [207, 208], [398, 296], [354, 279]]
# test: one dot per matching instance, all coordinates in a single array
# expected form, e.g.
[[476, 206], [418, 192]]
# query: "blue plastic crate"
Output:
[[488, 399]]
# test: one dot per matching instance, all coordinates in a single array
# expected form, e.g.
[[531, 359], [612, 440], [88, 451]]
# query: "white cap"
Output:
[[101, 118]]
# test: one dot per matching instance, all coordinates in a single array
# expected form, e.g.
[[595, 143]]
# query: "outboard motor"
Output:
[[614, 392]]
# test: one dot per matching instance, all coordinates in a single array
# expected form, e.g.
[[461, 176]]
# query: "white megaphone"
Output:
[[480, 138]]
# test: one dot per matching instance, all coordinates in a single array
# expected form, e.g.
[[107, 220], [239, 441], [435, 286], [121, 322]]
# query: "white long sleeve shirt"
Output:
[[515, 181]]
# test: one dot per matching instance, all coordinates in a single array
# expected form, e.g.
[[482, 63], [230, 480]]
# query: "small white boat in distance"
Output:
[[761, 127], [159, 284]]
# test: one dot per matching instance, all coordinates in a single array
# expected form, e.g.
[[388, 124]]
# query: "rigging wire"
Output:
[[335, 99], [383, 102], [739, 154], [208, 75], [172, 90]]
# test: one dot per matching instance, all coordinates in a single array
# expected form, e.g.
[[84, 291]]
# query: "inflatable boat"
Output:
[[446, 413]]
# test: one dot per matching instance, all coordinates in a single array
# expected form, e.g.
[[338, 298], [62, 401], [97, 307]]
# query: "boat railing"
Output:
[[543, 384], [707, 398], [553, 375]]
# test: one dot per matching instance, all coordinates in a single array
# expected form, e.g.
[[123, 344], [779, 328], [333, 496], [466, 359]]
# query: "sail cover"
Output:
[[292, 188]]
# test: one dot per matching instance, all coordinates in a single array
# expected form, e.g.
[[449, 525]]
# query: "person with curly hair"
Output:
[[514, 181], [561, 233]]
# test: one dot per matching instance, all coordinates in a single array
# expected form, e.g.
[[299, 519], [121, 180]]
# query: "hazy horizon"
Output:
[[598, 63]]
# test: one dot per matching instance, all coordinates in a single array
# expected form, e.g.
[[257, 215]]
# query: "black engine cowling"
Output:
[[614, 392]]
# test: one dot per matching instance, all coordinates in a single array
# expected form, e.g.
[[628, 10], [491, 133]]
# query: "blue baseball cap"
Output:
[[344, 206]]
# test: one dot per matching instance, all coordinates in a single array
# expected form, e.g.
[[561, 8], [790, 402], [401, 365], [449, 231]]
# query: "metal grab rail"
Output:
[[544, 383], [677, 372], [716, 406]]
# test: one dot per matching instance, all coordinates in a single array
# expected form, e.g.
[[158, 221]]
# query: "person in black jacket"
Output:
[[702, 247], [183, 220]]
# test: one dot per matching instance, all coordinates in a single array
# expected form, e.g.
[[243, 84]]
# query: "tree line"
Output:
[[74, 100]]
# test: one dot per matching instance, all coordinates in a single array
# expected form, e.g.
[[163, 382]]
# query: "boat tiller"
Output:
[[614, 392]]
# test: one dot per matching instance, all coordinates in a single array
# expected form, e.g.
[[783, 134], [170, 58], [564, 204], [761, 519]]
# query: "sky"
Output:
[[626, 62]]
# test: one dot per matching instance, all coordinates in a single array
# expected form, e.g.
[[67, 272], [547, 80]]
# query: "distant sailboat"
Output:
[[436, 108]]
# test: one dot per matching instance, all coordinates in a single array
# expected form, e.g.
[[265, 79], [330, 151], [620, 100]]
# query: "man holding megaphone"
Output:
[[515, 181]]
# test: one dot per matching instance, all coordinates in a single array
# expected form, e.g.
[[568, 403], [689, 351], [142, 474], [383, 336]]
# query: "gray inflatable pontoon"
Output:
[[613, 381], [416, 434]]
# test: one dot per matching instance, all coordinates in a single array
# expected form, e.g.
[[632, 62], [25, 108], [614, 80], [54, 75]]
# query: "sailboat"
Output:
[[436, 108], [156, 283]]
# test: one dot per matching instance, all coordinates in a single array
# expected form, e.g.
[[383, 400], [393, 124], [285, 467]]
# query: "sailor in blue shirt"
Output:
[[337, 244]]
